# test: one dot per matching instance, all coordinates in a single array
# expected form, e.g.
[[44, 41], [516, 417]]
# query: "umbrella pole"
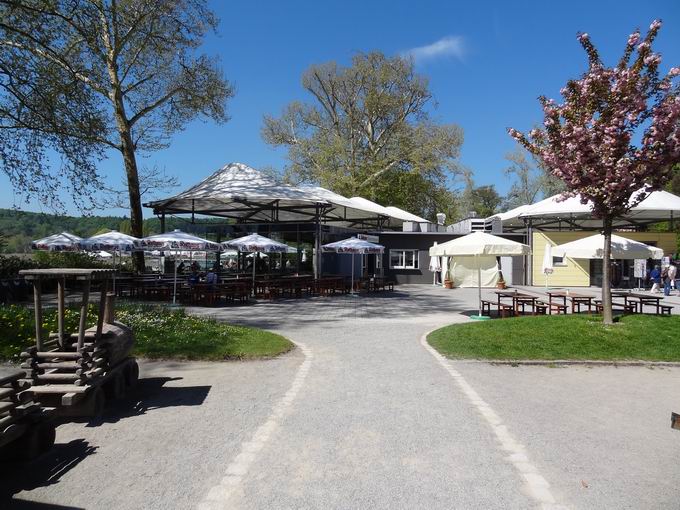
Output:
[[174, 284], [253, 274], [479, 284], [352, 287]]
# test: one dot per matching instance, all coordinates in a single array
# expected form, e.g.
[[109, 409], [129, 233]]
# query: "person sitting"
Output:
[[211, 278], [193, 278], [180, 268]]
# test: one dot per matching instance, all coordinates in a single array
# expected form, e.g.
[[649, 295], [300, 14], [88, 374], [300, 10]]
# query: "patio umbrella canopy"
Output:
[[593, 248], [176, 241], [112, 241], [478, 244], [353, 246], [109, 241], [57, 242], [255, 243]]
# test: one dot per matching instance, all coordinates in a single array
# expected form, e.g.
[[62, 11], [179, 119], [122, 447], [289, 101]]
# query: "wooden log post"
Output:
[[83, 314], [37, 305], [61, 284], [109, 311], [103, 296]]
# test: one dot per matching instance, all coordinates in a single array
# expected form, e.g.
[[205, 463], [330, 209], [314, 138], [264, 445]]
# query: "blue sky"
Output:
[[487, 62]]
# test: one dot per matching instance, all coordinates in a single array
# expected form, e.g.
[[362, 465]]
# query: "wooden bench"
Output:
[[666, 309], [542, 308], [626, 307], [486, 307]]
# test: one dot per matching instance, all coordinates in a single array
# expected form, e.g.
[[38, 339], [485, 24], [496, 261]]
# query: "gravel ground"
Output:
[[377, 423]]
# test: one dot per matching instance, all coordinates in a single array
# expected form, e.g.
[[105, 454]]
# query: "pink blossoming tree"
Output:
[[615, 136]]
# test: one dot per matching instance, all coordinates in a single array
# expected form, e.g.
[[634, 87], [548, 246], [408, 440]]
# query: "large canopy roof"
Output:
[[240, 192], [658, 206]]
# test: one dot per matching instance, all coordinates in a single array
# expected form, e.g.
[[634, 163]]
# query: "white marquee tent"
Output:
[[593, 248], [481, 247]]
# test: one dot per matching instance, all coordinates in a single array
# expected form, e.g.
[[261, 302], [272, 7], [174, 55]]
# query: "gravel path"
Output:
[[366, 417]]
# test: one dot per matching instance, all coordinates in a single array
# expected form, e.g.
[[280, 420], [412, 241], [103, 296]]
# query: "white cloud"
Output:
[[449, 46]]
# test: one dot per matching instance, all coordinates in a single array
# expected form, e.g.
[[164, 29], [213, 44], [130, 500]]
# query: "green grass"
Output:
[[160, 333], [563, 337]]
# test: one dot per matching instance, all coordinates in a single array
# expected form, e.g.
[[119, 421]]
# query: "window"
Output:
[[559, 262], [403, 259]]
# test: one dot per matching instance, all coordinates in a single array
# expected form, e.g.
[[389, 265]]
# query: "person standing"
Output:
[[655, 277], [666, 281], [672, 274]]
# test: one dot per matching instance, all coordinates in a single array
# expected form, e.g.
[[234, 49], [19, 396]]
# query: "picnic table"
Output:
[[577, 300], [639, 300], [519, 300]]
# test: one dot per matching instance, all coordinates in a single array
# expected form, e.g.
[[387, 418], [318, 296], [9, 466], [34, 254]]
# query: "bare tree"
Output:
[[83, 77]]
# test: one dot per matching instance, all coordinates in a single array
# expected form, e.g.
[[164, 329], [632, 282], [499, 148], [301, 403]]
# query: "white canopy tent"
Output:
[[58, 242], [593, 248], [255, 243], [246, 195], [176, 241], [658, 206], [479, 244], [353, 246]]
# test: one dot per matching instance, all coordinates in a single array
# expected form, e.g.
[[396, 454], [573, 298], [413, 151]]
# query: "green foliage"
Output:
[[11, 265], [367, 132], [56, 259], [159, 332], [555, 337]]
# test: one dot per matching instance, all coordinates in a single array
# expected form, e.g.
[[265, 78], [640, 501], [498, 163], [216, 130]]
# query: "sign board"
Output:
[[368, 237], [640, 268]]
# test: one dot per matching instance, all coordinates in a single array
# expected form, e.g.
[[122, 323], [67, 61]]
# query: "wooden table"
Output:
[[639, 300], [577, 300]]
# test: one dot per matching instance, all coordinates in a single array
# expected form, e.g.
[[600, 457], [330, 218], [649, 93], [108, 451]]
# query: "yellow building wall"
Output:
[[576, 272]]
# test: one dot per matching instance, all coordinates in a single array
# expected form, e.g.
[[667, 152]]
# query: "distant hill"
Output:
[[19, 228]]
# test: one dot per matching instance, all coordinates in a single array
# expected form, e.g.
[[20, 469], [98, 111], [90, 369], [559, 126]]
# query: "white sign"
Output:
[[640, 268], [369, 238]]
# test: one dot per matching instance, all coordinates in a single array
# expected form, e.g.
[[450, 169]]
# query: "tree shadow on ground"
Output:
[[150, 394], [44, 471]]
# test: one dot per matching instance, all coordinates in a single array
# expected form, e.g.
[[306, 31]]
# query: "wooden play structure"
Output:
[[25, 428], [74, 373]]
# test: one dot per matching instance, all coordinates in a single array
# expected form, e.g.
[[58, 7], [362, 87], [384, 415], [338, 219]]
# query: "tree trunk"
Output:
[[607, 314], [127, 149], [136, 216]]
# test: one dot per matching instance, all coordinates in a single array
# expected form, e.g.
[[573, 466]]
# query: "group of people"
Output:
[[665, 276], [210, 277]]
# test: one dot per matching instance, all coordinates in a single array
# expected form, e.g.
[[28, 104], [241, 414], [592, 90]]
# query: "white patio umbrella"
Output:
[[176, 241], [255, 243], [353, 246], [478, 244], [547, 266], [112, 241], [592, 247], [57, 242], [435, 267]]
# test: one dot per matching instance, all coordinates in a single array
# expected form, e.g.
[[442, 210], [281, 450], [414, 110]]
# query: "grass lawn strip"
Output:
[[563, 337], [160, 332]]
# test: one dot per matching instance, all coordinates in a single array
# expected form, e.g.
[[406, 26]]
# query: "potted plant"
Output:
[[448, 282], [501, 282]]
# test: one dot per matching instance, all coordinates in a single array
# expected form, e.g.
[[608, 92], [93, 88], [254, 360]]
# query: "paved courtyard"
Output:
[[363, 415]]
